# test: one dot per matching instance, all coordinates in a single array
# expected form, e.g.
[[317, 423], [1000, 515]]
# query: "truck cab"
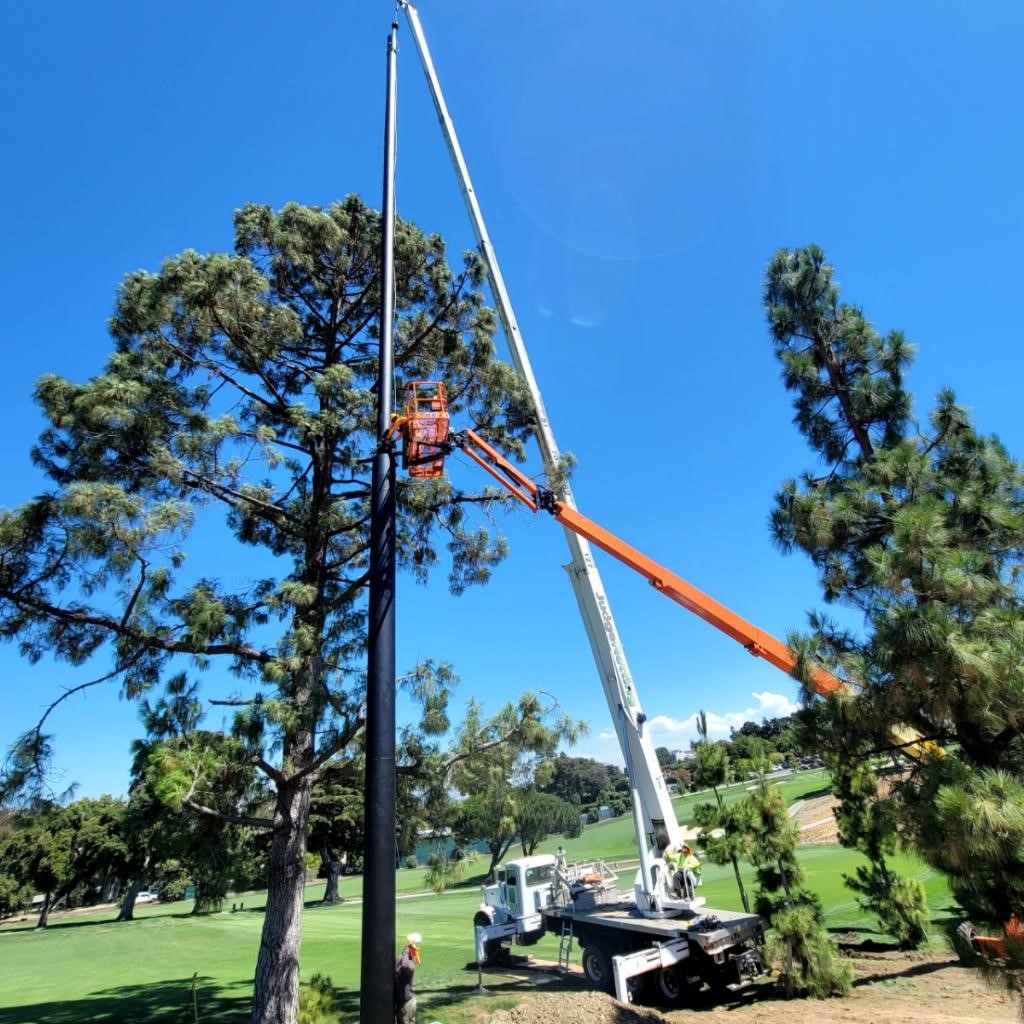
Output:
[[523, 888]]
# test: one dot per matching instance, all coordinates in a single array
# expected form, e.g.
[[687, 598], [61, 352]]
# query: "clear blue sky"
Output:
[[637, 164]]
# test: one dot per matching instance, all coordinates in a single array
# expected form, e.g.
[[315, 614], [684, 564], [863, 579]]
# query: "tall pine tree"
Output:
[[240, 399], [920, 528]]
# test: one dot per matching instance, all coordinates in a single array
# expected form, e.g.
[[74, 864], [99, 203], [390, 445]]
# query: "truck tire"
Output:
[[670, 986], [597, 968], [965, 943]]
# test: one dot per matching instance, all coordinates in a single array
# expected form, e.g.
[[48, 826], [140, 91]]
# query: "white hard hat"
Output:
[[414, 938]]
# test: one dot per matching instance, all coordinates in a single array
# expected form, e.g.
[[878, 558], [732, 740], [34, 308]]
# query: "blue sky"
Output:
[[637, 165]]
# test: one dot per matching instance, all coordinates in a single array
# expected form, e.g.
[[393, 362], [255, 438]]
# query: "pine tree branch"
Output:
[[410, 348], [274, 774], [70, 691], [133, 600], [225, 493], [273, 440], [146, 640], [218, 371], [232, 819], [347, 735]]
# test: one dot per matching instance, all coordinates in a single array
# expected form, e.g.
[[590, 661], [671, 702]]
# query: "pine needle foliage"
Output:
[[318, 1002], [724, 826], [806, 958], [870, 824], [239, 404], [920, 528]]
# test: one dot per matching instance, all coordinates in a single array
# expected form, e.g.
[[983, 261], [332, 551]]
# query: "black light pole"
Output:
[[377, 980]]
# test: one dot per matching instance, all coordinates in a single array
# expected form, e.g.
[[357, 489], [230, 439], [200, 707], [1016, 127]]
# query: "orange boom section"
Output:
[[756, 641]]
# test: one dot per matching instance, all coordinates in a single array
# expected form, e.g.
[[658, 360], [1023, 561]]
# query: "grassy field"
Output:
[[87, 968]]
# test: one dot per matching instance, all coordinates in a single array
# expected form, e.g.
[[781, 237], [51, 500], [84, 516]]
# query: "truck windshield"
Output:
[[538, 876]]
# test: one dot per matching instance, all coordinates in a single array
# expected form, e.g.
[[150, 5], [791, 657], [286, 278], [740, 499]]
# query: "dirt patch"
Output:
[[890, 987], [817, 821], [574, 1008], [816, 817]]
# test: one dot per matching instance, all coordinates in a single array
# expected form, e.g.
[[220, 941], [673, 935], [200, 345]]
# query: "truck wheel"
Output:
[[597, 966], [670, 985], [965, 943]]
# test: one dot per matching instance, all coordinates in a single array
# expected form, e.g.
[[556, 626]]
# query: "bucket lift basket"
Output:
[[425, 428]]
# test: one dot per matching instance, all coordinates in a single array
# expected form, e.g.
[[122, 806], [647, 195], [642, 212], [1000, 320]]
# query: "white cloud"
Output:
[[666, 731], [775, 705], [679, 733]]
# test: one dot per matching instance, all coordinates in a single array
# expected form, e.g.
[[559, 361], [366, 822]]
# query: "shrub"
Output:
[[318, 1003], [411, 861], [171, 882], [806, 958], [444, 873], [900, 903]]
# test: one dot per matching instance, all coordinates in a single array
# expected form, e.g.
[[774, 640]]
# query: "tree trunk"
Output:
[[742, 887], [735, 863], [44, 913], [127, 911], [333, 865], [276, 990], [785, 885]]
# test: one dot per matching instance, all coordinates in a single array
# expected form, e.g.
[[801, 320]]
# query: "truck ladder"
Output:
[[565, 946]]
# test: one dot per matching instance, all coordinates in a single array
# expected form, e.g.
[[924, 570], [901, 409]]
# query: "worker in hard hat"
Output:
[[672, 854], [684, 866], [405, 969], [689, 868]]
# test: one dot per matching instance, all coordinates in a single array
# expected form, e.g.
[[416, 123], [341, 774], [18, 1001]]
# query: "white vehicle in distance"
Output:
[[147, 897]]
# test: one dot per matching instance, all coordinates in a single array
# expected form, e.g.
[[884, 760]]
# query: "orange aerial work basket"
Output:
[[425, 428]]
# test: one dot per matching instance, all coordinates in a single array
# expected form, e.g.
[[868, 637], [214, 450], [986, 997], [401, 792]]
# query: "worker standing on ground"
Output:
[[405, 969]]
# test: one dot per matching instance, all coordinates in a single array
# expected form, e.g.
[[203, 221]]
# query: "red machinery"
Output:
[[424, 428]]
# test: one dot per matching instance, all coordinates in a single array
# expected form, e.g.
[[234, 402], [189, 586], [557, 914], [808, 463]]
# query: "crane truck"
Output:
[[648, 935]]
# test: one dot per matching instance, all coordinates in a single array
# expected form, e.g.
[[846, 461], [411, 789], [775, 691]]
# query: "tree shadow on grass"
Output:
[[856, 940], [91, 922], [918, 969], [815, 793], [165, 1002]]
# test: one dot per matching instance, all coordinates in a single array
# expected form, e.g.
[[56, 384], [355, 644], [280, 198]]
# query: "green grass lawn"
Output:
[[87, 968]]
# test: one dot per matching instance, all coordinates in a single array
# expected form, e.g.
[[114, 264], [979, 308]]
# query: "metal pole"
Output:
[[376, 993]]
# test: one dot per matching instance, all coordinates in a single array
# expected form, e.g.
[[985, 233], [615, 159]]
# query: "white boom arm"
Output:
[[655, 812]]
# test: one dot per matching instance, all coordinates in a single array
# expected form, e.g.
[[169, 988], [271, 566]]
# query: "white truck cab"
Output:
[[523, 887]]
